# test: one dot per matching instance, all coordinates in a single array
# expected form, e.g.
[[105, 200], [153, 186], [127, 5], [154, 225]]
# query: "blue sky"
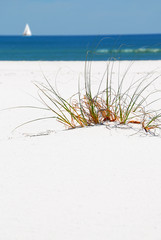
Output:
[[74, 17]]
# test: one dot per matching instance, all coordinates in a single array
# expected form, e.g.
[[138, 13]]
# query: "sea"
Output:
[[81, 48]]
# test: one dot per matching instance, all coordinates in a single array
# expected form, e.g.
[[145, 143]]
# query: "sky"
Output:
[[77, 17]]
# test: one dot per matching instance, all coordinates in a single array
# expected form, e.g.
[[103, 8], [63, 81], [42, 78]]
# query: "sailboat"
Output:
[[27, 31]]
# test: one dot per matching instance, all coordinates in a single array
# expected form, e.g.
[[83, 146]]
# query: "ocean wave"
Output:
[[103, 51], [129, 50]]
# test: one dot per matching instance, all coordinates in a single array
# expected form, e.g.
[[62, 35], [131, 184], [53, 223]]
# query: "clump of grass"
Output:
[[111, 104]]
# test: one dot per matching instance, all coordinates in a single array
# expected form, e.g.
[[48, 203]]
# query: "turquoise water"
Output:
[[78, 48]]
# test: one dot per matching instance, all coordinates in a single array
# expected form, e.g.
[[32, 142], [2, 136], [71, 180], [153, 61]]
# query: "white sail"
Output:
[[27, 31]]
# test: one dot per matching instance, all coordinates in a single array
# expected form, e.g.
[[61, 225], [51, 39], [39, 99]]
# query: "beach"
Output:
[[83, 184]]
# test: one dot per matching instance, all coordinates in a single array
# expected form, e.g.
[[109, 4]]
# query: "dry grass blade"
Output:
[[114, 103], [110, 104]]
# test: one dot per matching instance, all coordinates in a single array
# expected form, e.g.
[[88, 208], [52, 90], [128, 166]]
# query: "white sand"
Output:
[[83, 184]]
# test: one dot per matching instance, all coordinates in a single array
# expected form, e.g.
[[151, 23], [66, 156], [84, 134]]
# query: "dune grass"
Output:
[[128, 105]]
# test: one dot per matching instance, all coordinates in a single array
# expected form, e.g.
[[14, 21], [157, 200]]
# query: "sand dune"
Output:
[[86, 184]]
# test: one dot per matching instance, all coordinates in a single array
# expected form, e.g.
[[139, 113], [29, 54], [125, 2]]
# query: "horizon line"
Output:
[[66, 35]]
